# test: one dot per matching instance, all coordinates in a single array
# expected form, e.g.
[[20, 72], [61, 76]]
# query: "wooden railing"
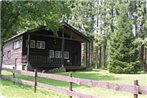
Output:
[[135, 89]]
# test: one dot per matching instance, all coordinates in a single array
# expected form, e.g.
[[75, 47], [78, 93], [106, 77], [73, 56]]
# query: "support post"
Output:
[[89, 63], [62, 49], [15, 63], [70, 84], [92, 50], [13, 75], [136, 84], [28, 51], [35, 80], [86, 56]]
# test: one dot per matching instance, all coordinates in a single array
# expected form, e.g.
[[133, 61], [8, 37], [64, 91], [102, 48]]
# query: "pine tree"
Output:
[[122, 52]]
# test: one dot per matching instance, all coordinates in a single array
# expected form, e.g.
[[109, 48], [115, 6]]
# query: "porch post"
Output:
[[28, 51], [86, 55], [62, 49], [92, 51], [89, 56]]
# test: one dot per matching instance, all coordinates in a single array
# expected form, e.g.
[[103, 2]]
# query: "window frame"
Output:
[[51, 52], [32, 42], [66, 54], [58, 54], [17, 44], [40, 47]]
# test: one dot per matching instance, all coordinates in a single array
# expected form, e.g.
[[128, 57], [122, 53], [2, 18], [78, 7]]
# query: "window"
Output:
[[58, 54], [32, 43], [40, 44], [9, 54], [66, 55], [17, 44], [51, 53]]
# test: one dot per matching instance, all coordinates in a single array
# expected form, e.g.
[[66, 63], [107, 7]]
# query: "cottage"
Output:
[[43, 49]]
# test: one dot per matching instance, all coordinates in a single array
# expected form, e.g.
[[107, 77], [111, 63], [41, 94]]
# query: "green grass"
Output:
[[8, 90], [21, 91]]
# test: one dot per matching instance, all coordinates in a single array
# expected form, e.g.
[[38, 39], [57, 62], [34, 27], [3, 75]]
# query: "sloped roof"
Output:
[[65, 25]]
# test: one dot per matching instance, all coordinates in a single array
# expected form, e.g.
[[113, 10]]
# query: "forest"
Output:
[[118, 28]]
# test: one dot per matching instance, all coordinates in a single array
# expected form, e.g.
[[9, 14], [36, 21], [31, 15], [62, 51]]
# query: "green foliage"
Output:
[[82, 16], [145, 42], [19, 16], [122, 52]]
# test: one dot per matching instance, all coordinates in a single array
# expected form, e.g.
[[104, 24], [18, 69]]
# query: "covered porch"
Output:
[[67, 39]]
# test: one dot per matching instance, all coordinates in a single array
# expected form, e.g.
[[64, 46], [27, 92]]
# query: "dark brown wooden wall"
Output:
[[14, 53], [74, 48]]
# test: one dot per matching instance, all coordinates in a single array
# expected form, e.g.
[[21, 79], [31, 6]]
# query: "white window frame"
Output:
[[66, 55], [51, 53], [40, 45], [17, 44], [58, 54], [32, 43]]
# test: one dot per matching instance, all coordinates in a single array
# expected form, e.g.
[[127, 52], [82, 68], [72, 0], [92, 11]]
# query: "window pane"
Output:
[[40, 44], [32, 44], [51, 53], [57, 54], [17, 44], [66, 55]]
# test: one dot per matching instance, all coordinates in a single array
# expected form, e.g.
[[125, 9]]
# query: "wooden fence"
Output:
[[135, 89]]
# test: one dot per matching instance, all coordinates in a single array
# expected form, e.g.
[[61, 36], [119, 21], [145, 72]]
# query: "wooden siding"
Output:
[[40, 57], [14, 53]]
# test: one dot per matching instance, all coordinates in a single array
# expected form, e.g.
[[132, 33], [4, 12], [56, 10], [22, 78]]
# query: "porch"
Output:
[[44, 62]]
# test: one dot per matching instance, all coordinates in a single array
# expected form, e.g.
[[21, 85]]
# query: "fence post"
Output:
[[136, 84], [35, 80], [70, 85], [13, 75], [15, 63]]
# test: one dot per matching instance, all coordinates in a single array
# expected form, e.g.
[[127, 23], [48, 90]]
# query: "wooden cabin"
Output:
[[43, 49]]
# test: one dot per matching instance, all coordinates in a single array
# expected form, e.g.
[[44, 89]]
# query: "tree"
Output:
[[122, 52], [19, 16], [138, 15]]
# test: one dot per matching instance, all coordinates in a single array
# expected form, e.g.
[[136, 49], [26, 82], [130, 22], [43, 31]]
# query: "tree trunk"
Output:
[[92, 50], [142, 57], [105, 45], [97, 64], [100, 59]]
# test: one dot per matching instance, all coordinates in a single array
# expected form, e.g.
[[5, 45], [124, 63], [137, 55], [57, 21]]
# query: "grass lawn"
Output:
[[20, 91]]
